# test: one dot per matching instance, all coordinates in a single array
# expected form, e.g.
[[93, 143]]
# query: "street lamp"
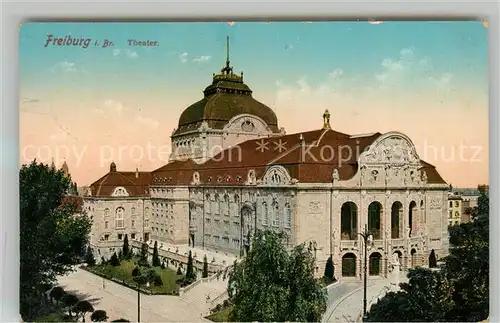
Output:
[[367, 239]]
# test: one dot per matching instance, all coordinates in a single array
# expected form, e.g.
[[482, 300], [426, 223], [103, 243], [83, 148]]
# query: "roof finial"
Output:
[[227, 51], [326, 120]]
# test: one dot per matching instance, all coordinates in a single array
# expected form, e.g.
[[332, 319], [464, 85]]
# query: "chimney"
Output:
[[136, 172]]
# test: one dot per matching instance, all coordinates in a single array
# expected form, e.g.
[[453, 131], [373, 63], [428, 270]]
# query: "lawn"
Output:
[[124, 273], [220, 316]]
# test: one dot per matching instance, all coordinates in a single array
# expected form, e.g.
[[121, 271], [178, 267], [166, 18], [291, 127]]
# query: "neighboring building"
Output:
[[456, 209], [233, 171]]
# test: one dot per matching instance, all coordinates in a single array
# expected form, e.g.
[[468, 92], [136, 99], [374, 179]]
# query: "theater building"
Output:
[[233, 170]]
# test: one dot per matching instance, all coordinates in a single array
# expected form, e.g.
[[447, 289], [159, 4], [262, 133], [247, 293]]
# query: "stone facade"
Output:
[[211, 197]]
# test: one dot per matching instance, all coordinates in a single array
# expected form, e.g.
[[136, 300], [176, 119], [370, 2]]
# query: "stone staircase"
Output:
[[197, 296]]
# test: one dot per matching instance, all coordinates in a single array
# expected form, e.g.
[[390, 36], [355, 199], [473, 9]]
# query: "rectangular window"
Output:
[[106, 237], [120, 236], [105, 224], [132, 236], [120, 223], [133, 224]]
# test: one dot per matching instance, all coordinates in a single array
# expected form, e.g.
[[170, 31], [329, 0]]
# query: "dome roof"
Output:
[[224, 99]]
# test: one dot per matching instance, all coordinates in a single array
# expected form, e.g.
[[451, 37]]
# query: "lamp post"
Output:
[[367, 239]]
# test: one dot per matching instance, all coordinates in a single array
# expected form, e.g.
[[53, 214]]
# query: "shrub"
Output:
[[158, 281], [114, 260], [135, 272], [179, 271]]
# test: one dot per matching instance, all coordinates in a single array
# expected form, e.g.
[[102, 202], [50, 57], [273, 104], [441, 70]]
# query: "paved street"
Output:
[[121, 302]]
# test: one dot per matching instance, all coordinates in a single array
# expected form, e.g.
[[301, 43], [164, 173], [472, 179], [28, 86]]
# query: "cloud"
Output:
[[148, 122], [66, 67], [29, 100], [127, 52], [336, 74], [201, 59], [375, 22], [183, 57], [110, 107]]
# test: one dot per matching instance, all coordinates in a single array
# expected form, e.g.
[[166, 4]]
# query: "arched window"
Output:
[[349, 221], [275, 215], [119, 220], [265, 214], [227, 205], [216, 205], [134, 212], [106, 212], [288, 217]]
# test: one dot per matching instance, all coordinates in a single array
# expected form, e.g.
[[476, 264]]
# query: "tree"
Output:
[[82, 308], [57, 294], [69, 300], [274, 284], [432, 259], [467, 264], [126, 248], [143, 260], [190, 274], [114, 260], [52, 235], [99, 316], [179, 271], [329, 270], [205, 267], [459, 290], [425, 298], [156, 259], [89, 257]]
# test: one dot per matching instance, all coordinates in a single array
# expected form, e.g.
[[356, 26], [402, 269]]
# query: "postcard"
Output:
[[254, 171]]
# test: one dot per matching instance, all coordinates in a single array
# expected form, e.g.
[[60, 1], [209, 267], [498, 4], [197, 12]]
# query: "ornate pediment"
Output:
[[393, 149], [120, 191], [276, 176]]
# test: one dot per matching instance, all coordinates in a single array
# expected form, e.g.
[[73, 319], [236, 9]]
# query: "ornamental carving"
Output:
[[314, 207], [435, 203], [335, 175], [196, 178], [276, 175], [394, 150]]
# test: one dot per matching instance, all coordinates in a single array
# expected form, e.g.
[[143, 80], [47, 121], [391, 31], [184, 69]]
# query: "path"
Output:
[[121, 302]]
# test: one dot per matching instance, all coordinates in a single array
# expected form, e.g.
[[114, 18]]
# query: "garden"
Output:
[[135, 270]]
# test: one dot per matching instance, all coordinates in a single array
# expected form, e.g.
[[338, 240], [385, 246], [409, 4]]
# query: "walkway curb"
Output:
[[326, 318]]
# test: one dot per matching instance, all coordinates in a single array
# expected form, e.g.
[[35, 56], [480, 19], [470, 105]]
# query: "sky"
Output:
[[90, 106]]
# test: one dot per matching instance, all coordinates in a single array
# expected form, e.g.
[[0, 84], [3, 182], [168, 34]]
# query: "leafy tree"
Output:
[[329, 270], [425, 298], [179, 271], [83, 307], [57, 294], [459, 291], [89, 257], [52, 236], [467, 265], [99, 316], [126, 248], [205, 267], [432, 259], [156, 259], [114, 260], [69, 300], [190, 274], [274, 284], [143, 260]]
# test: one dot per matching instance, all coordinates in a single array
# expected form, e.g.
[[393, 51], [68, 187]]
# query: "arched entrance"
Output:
[[412, 218], [374, 264], [396, 219], [413, 258], [374, 219], [349, 265], [348, 221]]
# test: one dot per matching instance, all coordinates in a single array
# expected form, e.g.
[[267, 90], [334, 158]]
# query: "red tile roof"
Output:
[[308, 157]]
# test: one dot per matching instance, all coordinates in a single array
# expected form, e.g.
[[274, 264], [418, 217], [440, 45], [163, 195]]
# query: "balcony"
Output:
[[348, 244]]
